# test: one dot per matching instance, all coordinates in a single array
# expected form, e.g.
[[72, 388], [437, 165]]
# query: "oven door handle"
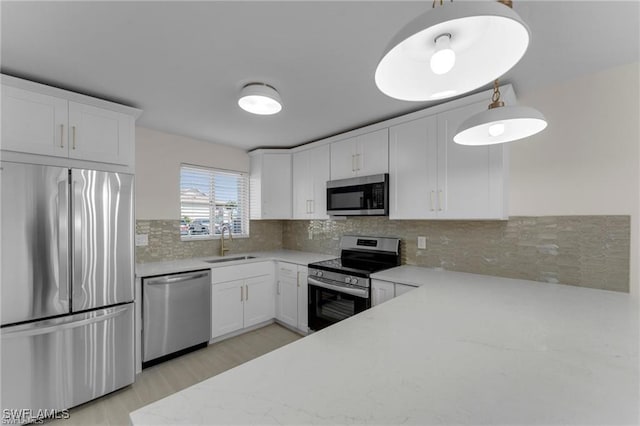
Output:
[[364, 293]]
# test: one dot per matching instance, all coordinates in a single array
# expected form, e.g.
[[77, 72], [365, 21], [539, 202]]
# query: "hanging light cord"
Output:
[[495, 98]]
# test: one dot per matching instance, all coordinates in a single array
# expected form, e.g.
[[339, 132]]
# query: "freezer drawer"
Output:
[[60, 363], [176, 313]]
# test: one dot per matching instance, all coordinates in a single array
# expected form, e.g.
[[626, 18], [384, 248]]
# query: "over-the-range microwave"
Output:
[[359, 196]]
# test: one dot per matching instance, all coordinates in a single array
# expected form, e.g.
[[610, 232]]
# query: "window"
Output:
[[211, 198]]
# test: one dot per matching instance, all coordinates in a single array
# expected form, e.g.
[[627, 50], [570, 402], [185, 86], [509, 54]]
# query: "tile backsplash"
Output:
[[165, 242], [587, 251]]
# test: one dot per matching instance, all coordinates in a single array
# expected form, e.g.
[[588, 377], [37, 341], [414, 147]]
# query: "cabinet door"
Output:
[[34, 123], [101, 135], [343, 159], [470, 178], [381, 291], [319, 168], [226, 307], [259, 303], [372, 153], [413, 172], [276, 186], [287, 297], [402, 289], [302, 185], [303, 300]]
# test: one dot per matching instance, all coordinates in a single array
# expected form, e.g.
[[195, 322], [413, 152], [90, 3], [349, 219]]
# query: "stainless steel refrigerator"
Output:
[[67, 286]]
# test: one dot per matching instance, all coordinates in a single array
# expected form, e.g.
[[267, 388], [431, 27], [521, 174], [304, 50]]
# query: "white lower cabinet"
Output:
[[244, 301], [381, 291], [291, 296], [386, 290]]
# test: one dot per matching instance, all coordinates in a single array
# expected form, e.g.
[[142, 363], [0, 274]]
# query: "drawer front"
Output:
[[287, 270], [242, 271]]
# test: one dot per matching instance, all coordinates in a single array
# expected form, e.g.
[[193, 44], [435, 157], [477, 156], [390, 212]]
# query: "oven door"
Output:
[[330, 303]]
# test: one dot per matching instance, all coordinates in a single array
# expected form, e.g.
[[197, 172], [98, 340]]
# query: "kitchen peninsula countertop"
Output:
[[173, 266], [460, 349]]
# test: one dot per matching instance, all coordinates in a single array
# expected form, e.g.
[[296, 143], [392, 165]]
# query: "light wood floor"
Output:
[[161, 380]]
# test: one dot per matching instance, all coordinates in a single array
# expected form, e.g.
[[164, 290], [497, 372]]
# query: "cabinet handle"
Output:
[[357, 162], [298, 278], [353, 162], [62, 136], [74, 137], [241, 293], [440, 200], [311, 206], [247, 293], [431, 200], [278, 287]]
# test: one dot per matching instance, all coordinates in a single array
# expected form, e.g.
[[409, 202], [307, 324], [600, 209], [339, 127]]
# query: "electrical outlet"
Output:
[[422, 243], [142, 240]]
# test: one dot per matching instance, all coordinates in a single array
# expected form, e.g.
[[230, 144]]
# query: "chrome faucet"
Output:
[[222, 228]]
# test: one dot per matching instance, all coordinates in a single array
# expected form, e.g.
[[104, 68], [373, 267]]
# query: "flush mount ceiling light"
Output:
[[500, 123], [451, 50], [260, 98]]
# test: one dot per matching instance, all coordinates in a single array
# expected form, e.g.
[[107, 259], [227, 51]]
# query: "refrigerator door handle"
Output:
[[176, 278], [63, 239], [68, 323]]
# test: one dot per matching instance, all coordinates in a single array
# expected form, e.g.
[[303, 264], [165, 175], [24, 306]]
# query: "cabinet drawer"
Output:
[[239, 272], [287, 270]]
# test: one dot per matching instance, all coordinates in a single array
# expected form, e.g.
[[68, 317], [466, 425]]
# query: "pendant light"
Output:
[[451, 50], [260, 98], [500, 123]]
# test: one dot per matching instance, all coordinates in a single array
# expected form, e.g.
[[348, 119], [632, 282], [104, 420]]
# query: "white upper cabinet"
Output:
[[413, 173], [34, 123], [471, 179], [41, 120], [96, 133], [432, 177], [270, 185], [310, 176], [362, 155]]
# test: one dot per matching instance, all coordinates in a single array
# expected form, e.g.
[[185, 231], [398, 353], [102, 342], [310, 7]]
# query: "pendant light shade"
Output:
[[260, 98], [452, 49], [500, 124]]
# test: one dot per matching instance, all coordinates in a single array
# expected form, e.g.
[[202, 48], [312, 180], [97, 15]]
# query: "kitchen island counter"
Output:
[[460, 349]]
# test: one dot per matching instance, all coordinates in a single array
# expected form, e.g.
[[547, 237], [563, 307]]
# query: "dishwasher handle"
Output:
[[173, 279]]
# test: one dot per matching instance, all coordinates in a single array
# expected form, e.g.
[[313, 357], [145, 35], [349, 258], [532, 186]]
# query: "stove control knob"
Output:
[[354, 281], [347, 280], [319, 273]]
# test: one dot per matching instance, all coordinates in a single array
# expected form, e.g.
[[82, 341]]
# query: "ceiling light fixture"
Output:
[[451, 50], [500, 123], [260, 98]]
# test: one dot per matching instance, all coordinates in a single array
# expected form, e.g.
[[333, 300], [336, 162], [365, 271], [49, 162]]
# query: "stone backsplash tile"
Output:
[[165, 242], [588, 251]]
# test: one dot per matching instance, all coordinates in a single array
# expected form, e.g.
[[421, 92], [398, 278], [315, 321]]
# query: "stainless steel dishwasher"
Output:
[[176, 314]]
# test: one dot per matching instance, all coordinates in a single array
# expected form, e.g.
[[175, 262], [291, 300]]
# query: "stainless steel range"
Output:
[[340, 288]]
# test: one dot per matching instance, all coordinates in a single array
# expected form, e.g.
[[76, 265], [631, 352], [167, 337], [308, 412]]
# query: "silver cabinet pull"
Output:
[[74, 137], [357, 162], [431, 200], [311, 206], [278, 287], [62, 136], [241, 293], [247, 293], [440, 200]]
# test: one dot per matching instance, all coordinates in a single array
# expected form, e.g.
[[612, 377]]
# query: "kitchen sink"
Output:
[[230, 259]]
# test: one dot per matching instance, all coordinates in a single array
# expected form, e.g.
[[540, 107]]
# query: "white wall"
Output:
[[586, 162], [158, 159]]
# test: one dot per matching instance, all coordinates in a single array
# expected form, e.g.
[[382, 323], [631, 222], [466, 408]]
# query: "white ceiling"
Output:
[[184, 63]]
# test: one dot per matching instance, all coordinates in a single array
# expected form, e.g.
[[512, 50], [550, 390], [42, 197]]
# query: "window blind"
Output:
[[210, 198]]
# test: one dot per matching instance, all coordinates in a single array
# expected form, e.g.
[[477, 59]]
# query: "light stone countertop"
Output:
[[461, 349], [174, 266], [416, 276]]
